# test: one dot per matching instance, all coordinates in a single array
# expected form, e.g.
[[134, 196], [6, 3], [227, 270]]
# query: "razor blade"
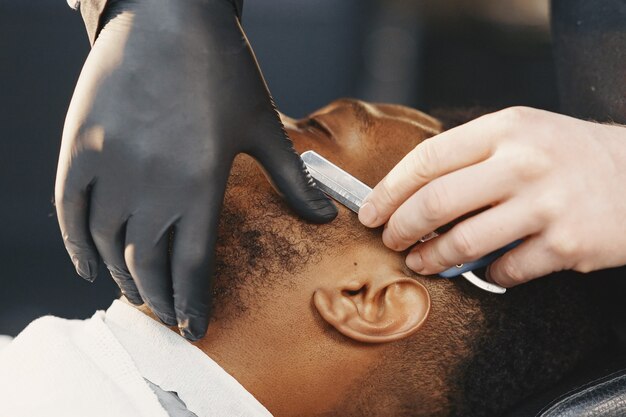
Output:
[[349, 191]]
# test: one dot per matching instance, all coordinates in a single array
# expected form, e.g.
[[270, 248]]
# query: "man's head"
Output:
[[324, 319]]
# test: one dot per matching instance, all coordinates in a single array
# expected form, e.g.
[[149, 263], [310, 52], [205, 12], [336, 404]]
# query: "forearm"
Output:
[[590, 54]]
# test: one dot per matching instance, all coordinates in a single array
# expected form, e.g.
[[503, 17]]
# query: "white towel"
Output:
[[65, 368], [96, 367]]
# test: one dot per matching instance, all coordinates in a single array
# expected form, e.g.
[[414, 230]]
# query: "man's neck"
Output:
[[278, 362], [292, 364]]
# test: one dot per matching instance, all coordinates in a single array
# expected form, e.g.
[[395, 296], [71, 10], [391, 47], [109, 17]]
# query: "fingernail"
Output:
[[368, 214], [86, 269], [414, 261]]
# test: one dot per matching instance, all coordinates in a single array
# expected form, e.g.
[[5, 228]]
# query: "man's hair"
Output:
[[490, 351], [530, 339]]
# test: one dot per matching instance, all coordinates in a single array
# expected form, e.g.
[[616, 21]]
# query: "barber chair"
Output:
[[597, 388]]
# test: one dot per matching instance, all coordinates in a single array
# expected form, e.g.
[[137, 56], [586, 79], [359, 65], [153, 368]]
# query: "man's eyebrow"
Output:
[[361, 113]]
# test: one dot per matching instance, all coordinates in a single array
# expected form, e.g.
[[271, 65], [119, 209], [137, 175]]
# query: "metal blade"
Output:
[[336, 182], [483, 285]]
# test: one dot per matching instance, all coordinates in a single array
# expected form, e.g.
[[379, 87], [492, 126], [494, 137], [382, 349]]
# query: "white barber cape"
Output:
[[109, 365]]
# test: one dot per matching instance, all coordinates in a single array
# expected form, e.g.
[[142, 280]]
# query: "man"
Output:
[[313, 319]]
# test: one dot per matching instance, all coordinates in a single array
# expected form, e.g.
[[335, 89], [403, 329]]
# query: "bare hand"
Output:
[[554, 181]]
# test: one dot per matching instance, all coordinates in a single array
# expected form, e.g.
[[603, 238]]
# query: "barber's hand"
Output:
[[557, 182], [169, 94]]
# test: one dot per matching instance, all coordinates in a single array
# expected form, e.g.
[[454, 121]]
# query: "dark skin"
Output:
[[352, 132], [303, 350]]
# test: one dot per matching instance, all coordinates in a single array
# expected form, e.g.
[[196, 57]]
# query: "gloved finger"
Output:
[[473, 238], [447, 152], [192, 262], [288, 174], [108, 231], [125, 282], [532, 259], [146, 254], [445, 199], [72, 207]]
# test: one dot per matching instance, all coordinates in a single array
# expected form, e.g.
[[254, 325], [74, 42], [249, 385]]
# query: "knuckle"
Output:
[[424, 160], [531, 162], [550, 207], [398, 232], [585, 267], [564, 245], [434, 203], [75, 245], [88, 137], [512, 271], [514, 116], [384, 194], [434, 255], [463, 244], [141, 259], [66, 194]]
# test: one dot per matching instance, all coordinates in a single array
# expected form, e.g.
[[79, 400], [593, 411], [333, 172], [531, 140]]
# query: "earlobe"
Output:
[[374, 312]]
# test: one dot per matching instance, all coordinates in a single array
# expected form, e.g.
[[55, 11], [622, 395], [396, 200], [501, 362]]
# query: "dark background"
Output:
[[311, 52]]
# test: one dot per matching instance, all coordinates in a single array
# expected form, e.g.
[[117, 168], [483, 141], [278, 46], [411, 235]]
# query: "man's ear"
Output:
[[374, 311]]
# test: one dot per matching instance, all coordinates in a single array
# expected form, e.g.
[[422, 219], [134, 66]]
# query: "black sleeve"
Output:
[[590, 53]]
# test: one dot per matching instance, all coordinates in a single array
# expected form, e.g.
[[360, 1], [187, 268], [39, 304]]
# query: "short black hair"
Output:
[[531, 337]]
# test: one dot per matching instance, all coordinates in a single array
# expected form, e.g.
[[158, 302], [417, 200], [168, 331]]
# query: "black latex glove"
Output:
[[169, 94]]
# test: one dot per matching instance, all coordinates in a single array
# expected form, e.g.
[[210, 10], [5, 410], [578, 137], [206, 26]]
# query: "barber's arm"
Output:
[[554, 181], [169, 94]]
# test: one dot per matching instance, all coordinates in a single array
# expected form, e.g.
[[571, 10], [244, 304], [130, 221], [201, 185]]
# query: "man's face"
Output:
[[365, 139]]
